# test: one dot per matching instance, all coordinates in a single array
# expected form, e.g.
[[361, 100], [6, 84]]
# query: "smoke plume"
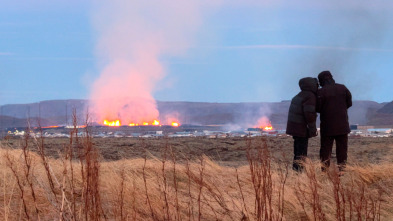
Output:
[[131, 37], [355, 32]]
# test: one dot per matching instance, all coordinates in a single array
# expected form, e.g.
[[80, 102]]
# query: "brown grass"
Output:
[[81, 186]]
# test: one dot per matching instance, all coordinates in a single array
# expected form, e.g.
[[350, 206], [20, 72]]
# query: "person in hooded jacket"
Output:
[[302, 119], [333, 103]]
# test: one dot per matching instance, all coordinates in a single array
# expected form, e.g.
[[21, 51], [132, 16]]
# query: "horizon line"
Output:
[[233, 102]]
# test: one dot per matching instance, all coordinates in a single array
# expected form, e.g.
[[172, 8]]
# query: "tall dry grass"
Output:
[[80, 186]]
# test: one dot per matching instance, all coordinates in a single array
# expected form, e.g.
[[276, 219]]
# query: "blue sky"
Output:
[[241, 52]]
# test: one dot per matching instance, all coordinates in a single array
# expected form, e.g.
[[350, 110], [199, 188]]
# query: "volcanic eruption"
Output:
[[264, 124], [132, 37]]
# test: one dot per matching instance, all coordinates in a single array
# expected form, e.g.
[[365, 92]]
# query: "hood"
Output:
[[309, 84], [325, 78]]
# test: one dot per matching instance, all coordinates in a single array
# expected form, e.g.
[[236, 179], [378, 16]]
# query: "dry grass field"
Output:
[[84, 178]]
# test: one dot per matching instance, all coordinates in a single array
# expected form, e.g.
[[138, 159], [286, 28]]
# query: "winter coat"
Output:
[[333, 103], [302, 111]]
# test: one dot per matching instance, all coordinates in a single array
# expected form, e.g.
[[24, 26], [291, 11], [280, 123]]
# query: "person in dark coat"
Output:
[[333, 103], [301, 119]]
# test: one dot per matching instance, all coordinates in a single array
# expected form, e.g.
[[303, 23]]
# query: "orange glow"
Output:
[[175, 124], [50, 127], [115, 123], [268, 128], [155, 123]]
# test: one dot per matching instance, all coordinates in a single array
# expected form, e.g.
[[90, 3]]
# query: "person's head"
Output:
[[309, 84], [325, 77]]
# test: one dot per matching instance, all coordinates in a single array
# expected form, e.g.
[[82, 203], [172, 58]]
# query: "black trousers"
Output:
[[341, 150], [300, 146]]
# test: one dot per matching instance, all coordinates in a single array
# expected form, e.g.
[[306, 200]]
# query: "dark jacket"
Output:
[[333, 103], [302, 112]]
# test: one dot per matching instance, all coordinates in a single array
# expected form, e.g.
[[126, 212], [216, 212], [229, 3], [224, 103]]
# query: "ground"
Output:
[[225, 151], [227, 187]]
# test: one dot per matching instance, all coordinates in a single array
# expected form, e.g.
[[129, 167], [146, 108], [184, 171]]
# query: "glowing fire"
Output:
[[50, 127], [115, 123], [154, 123], [264, 124]]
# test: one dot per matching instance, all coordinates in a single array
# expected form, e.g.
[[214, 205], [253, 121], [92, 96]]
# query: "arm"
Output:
[[319, 102], [309, 112], [348, 98]]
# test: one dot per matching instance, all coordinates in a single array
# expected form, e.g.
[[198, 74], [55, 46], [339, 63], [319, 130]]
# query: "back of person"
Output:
[[301, 120], [302, 114], [333, 103]]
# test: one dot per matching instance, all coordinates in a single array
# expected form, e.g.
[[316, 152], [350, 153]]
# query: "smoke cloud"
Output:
[[132, 35], [350, 32]]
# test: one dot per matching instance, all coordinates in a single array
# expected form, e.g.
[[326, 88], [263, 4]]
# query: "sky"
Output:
[[216, 51]]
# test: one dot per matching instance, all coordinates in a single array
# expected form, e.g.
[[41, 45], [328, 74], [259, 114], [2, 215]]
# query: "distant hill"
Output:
[[9, 122], [51, 108], [387, 109], [383, 116], [52, 112], [224, 113], [362, 111], [59, 112]]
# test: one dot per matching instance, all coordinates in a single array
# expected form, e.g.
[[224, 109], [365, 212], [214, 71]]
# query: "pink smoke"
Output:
[[263, 122], [132, 35], [123, 92]]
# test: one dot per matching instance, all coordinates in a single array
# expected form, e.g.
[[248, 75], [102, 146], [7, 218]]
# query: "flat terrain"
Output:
[[226, 188], [225, 151]]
